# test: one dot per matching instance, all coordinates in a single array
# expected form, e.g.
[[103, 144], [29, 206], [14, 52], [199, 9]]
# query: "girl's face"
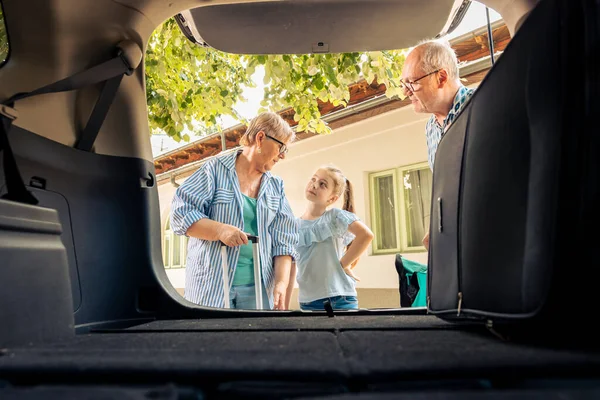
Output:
[[320, 188]]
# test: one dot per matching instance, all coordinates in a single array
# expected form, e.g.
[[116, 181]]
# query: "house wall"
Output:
[[166, 191]]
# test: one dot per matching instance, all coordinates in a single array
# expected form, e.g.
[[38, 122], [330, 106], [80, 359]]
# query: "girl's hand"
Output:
[[350, 273], [362, 240]]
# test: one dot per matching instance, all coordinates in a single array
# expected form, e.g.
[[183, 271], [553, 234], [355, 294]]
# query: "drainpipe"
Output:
[[173, 181], [223, 141]]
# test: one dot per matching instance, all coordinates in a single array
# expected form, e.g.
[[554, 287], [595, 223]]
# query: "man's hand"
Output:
[[232, 236], [426, 241], [279, 292]]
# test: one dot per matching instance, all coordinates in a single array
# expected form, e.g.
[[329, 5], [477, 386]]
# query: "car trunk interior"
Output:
[[122, 324]]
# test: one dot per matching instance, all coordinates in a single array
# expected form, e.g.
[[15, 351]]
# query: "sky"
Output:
[[474, 19]]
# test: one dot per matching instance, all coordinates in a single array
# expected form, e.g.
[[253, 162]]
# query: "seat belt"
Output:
[[15, 187], [111, 72]]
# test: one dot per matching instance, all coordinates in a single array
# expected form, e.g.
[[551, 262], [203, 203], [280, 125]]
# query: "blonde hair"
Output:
[[342, 185], [270, 123], [438, 54]]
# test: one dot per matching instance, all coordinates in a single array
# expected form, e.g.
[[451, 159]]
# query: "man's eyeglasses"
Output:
[[408, 86], [282, 148]]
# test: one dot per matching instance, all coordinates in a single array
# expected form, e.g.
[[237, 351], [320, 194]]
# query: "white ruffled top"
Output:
[[333, 223]]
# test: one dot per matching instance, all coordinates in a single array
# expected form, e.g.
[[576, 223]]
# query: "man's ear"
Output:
[[442, 78]]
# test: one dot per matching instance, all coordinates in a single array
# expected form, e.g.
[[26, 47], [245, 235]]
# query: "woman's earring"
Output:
[[259, 150]]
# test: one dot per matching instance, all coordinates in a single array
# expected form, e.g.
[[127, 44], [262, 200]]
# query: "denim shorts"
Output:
[[243, 297], [337, 303]]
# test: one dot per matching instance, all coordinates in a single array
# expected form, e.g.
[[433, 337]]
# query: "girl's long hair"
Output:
[[342, 186]]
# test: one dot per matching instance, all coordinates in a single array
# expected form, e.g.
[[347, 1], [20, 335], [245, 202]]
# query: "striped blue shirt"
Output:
[[213, 191], [433, 130]]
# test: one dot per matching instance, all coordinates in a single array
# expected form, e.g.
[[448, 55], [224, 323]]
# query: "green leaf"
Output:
[[331, 74], [319, 84], [187, 83]]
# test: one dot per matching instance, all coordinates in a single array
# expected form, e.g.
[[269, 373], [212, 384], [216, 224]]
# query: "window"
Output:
[[400, 208], [3, 38], [415, 208], [384, 214], [174, 248]]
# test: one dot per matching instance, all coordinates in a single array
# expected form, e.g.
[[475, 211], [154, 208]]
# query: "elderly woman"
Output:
[[232, 196]]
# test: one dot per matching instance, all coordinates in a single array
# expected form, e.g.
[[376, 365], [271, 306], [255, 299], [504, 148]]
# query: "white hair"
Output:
[[271, 124], [438, 54]]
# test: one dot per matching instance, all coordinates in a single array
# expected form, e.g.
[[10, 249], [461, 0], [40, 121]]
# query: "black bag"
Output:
[[515, 206]]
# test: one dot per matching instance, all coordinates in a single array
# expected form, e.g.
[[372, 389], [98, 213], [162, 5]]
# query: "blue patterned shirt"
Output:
[[214, 192], [433, 130]]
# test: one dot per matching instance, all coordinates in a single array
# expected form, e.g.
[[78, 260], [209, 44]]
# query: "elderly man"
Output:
[[430, 79]]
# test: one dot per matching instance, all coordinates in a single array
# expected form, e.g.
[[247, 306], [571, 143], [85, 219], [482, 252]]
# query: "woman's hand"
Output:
[[290, 287], [232, 236], [282, 265], [279, 292]]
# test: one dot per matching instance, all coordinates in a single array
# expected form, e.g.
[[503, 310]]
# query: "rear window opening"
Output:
[[369, 132]]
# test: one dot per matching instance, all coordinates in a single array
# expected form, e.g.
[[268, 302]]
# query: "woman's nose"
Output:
[[282, 156]]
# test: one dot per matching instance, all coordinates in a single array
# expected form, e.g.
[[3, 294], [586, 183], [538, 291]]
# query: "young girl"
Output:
[[326, 258]]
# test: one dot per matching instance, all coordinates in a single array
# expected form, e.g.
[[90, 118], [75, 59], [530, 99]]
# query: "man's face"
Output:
[[424, 96]]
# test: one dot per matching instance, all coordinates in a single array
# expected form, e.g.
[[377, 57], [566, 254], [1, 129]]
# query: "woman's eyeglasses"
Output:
[[282, 148]]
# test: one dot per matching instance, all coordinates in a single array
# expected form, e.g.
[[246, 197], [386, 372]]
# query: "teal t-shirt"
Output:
[[244, 272]]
